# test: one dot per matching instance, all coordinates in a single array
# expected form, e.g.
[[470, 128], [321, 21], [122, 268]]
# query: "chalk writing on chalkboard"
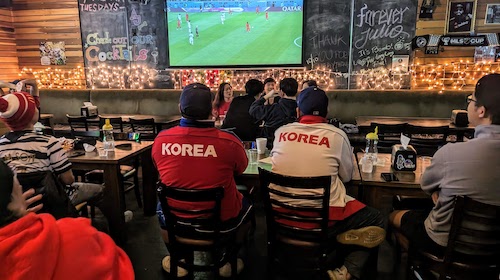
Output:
[[380, 31], [124, 33], [101, 5], [326, 35]]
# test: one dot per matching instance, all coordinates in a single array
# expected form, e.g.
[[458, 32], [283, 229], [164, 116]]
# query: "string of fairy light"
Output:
[[452, 76], [455, 75]]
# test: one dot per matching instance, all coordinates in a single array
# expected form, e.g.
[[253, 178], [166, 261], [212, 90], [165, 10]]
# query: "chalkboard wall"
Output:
[[124, 33], [120, 32], [381, 30], [326, 34]]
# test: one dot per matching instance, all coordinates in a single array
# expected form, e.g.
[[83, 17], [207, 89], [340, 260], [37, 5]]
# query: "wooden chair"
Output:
[[297, 236], [473, 249], [79, 123], [117, 123], [389, 135], [97, 176], [195, 230], [427, 140], [146, 127]]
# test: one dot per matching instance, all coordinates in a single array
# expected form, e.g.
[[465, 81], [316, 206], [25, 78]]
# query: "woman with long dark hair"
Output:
[[222, 100]]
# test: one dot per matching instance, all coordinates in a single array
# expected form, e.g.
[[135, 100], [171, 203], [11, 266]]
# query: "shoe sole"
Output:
[[225, 271], [368, 237], [181, 272]]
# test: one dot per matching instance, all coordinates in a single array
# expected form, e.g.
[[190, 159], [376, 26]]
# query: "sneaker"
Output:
[[71, 191], [181, 272], [338, 273], [225, 271], [368, 237]]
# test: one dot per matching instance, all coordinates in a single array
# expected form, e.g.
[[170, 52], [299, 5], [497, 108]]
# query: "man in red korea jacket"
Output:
[[196, 155]]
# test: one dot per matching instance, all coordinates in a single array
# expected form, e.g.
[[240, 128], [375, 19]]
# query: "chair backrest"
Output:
[[427, 140], [200, 223], [287, 214], [96, 134], [55, 200], [475, 230], [143, 125], [117, 123], [146, 127], [389, 134], [77, 123]]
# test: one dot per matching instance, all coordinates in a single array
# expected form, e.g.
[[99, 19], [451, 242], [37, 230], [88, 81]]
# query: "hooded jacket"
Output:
[[38, 247]]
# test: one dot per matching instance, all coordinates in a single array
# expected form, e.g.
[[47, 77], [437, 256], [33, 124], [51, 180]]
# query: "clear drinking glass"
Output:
[[366, 164]]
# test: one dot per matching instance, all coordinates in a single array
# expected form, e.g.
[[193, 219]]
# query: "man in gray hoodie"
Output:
[[466, 168]]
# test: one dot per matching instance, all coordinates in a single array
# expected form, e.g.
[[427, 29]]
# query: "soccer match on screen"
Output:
[[232, 33]]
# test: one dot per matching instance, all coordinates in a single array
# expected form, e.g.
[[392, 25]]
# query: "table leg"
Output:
[[149, 178], [114, 205]]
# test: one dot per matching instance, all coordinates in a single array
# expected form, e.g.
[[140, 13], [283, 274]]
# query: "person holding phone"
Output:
[[25, 151]]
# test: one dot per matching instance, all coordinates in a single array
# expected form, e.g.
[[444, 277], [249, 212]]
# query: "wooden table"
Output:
[[376, 192], [365, 122], [114, 197], [250, 176]]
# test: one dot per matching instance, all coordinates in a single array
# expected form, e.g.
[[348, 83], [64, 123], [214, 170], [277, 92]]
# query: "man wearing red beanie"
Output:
[[26, 151]]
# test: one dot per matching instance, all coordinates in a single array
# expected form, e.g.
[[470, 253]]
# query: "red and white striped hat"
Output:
[[17, 110]]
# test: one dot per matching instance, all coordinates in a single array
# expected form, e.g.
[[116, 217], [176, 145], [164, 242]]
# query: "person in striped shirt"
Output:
[[25, 151]]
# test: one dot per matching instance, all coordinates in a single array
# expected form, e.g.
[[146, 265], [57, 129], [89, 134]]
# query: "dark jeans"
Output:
[[357, 256]]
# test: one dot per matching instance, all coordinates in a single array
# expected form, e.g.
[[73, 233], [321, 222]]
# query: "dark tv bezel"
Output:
[[240, 66]]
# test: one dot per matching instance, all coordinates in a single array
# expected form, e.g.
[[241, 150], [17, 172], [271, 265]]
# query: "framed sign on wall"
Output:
[[492, 14], [460, 16]]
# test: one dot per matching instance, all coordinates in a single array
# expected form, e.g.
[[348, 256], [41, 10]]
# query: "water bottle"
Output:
[[371, 150], [107, 139]]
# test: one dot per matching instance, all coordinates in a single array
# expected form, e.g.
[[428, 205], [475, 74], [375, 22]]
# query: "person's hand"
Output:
[[27, 195], [435, 196], [269, 94]]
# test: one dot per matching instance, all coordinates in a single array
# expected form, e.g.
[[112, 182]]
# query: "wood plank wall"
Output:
[[8, 55], [38, 21], [437, 26]]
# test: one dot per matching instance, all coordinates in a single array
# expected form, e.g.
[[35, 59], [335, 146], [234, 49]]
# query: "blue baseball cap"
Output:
[[196, 102], [313, 101]]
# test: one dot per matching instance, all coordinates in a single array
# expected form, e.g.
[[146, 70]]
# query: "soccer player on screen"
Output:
[[187, 17], [230, 11], [196, 31], [189, 26], [257, 10], [222, 18], [179, 24], [191, 38], [248, 27], [179, 18], [267, 15]]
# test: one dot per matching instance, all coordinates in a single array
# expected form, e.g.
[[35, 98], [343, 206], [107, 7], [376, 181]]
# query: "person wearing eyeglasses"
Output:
[[464, 168]]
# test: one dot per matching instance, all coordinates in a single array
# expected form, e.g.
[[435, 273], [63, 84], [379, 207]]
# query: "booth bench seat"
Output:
[[344, 105]]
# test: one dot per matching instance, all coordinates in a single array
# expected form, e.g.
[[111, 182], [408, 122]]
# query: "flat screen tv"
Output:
[[233, 34]]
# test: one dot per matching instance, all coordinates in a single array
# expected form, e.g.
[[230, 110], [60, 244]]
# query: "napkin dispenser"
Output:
[[88, 110], [403, 159], [459, 118]]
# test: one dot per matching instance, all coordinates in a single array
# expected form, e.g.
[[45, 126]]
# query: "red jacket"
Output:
[[39, 247], [200, 158]]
